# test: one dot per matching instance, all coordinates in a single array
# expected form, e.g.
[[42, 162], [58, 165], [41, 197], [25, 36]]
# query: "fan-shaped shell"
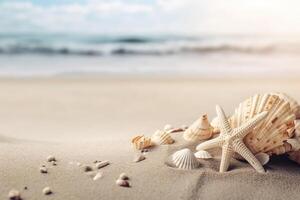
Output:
[[199, 130], [185, 159], [295, 107], [276, 128], [162, 137], [202, 154], [141, 142]]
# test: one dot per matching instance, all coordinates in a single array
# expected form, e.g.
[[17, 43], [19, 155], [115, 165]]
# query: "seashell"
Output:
[[168, 127], [122, 183], [43, 170], [263, 158], [98, 176], [286, 147], [276, 128], [161, 138], [141, 142], [215, 125], [293, 103], [199, 130], [47, 191], [51, 158], [14, 195], [185, 159], [139, 158], [123, 176], [102, 164], [202, 154]]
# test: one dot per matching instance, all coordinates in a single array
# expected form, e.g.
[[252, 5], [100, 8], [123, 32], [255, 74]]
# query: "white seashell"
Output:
[[168, 127], [51, 158], [202, 154], [199, 130], [141, 142], [47, 191], [295, 143], [293, 103], [122, 183], [139, 158], [43, 170], [102, 164], [14, 195], [98, 176], [123, 176], [276, 128], [161, 138], [263, 158], [185, 159]]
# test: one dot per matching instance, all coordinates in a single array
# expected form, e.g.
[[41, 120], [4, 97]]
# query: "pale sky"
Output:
[[151, 16]]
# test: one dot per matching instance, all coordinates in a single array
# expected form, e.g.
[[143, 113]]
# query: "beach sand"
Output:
[[93, 118]]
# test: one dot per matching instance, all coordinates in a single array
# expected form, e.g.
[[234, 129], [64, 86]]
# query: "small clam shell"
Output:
[[47, 191], [98, 176], [168, 127], [14, 195], [185, 159], [102, 164], [263, 158], [138, 158], [51, 158], [202, 154], [123, 176], [122, 183]]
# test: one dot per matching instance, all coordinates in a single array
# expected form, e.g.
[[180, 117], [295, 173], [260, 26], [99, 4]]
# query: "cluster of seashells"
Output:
[[278, 133], [160, 137]]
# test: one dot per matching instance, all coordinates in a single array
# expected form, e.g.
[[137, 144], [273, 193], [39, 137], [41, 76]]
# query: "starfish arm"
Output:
[[215, 142], [223, 121], [244, 129], [226, 157], [242, 149]]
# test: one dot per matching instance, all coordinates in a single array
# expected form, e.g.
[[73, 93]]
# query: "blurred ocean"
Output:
[[208, 55]]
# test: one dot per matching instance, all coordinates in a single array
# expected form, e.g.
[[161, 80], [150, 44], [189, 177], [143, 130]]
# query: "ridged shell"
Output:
[[202, 154], [271, 133], [293, 103], [199, 130], [162, 137], [185, 159], [141, 142], [263, 158]]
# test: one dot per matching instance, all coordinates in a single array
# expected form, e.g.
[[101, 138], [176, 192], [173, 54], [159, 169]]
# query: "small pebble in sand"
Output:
[[47, 191], [102, 164], [43, 169], [51, 158], [86, 168], [25, 188], [138, 158], [14, 195], [122, 183], [123, 176], [54, 163], [98, 176], [168, 127]]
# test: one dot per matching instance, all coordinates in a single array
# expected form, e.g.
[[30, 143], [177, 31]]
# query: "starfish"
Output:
[[231, 140]]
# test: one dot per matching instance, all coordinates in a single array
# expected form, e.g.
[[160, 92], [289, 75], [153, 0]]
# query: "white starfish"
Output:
[[231, 140]]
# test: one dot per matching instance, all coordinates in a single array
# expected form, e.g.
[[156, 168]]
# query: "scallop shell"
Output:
[[263, 158], [276, 128], [185, 159], [202, 154], [199, 130], [141, 142], [162, 137], [293, 103]]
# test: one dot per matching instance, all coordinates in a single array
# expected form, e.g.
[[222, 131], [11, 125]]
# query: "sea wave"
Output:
[[137, 45]]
